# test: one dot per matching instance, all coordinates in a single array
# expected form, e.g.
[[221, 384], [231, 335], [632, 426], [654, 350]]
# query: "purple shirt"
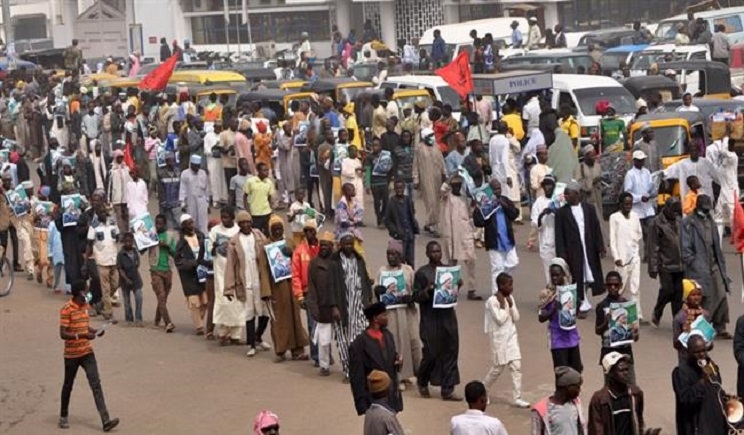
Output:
[[560, 338]]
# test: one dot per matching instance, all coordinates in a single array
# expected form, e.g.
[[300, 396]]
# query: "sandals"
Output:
[[301, 357], [200, 331], [169, 328], [210, 336]]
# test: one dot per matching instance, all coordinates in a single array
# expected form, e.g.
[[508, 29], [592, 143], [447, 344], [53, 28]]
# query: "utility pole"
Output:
[[8, 26]]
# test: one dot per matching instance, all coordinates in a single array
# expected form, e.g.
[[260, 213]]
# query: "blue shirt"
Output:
[[438, 49], [333, 118], [516, 38], [502, 242], [453, 161]]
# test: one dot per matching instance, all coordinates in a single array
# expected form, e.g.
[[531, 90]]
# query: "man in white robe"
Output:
[[638, 182], [727, 163], [193, 193], [701, 168], [217, 182], [543, 220], [625, 238]]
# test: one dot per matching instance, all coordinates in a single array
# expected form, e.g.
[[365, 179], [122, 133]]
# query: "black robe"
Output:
[[365, 355], [74, 248], [698, 410], [568, 246], [439, 335]]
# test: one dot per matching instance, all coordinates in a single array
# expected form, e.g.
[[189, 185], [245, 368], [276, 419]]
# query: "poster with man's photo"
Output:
[[623, 323], [383, 165], [395, 288], [485, 200], [446, 280], [340, 152], [311, 213], [279, 263], [18, 201], [145, 234], [558, 199], [566, 298], [71, 209], [300, 137]]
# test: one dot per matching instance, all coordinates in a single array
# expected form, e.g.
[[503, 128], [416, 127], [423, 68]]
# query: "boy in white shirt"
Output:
[[625, 240], [294, 215], [474, 420], [501, 317]]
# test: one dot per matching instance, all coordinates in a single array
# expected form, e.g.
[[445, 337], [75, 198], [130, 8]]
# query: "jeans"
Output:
[[172, 216], [58, 268], [229, 173], [88, 363], [311, 331], [409, 253], [128, 304], [380, 196]]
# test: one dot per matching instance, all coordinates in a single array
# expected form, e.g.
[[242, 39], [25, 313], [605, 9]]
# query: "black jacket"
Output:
[[568, 245], [366, 354], [394, 220], [187, 264], [337, 285], [318, 292], [489, 225], [664, 253], [165, 52]]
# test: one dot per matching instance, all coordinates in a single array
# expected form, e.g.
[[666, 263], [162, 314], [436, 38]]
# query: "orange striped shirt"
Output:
[[74, 318]]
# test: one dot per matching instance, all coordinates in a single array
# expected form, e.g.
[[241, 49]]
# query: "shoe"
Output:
[[582, 314], [139, 324], [424, 392], [251, 352], [129, 324], [264, 346], [170, 327], [452, 397], [324, 372], [110, 424], [63, 423], [38, 277], [655, 323], [519, 403], [474, 297], [17, 268], [723, 335], [345, 380], [58, 291], [30, 276], [199, 331], [110, 319], [402, 386], [280, 358], [643, 322], [115, 304]]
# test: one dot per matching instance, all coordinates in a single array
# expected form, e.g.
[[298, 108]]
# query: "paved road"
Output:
[[178, 383]]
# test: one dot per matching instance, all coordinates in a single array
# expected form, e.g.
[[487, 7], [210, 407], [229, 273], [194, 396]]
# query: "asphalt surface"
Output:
[[179, 383]]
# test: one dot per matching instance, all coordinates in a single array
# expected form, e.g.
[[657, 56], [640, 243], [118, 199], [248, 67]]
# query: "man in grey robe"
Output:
[[193, 193]]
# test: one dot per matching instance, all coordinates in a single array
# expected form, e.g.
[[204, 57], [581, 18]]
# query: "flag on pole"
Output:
[[737, 236], [158, 78], [226, 10], [457, 74], [244, 12]]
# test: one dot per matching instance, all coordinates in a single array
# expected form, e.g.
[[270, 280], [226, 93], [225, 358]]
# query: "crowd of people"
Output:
[[280, 183]]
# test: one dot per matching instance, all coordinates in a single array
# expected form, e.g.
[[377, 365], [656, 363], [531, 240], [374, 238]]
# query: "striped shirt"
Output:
[[74, 318]]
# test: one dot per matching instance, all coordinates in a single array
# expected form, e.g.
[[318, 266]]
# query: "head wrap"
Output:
[[275, 219], [345, 234], [195, 159], [310, 223], [541, 147], [566, 376], [373, 310], [243, 216], [688, 285], [550, 178], [587, 149], [558, 261], [263, 420], [261, 126], [118, 153], [573, 185], [378, 381], [184, 218], [327, 236], [395, 245], [45, 190], [170, 155], [28, 184]]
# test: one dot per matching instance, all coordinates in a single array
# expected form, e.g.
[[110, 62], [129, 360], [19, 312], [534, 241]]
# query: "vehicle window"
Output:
[[671, 140], [732, 23], [612, 60], [620, 98], [584, 61], [700, 55], [667, 30], [449, 97], [564, 98]]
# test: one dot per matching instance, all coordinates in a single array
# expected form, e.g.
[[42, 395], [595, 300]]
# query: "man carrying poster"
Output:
[[145, 235], [438, 331], [605, 323], [446, 286], [71, 206]]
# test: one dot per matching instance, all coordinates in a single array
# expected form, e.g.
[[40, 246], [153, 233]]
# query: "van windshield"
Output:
[[671, 141], [448, 48], [667, 30], [619, 97], [645, 59], [449, 97]]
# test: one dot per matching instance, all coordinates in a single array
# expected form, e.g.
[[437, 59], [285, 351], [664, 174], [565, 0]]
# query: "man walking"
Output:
[[319, 301], [438, 332], [475, 420], [639, 184], [665, 258], [458, 246], [169, 182], [193, 193], [704, 263], [75, 330], [400, 220], [579, 241], [380, 418], [625, 240], [428, 174], [102, 235], [563, 409]]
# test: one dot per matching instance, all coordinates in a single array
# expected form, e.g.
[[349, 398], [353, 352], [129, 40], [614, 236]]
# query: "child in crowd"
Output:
[[128, 261], [692, 297], [55, 254], [613, 285], [690, 200], [296, 210], [501, 317]]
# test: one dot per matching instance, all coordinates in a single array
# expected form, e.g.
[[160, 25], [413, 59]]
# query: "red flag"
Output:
[[457, 74], [128, 158], [737, 227], [158, 78]]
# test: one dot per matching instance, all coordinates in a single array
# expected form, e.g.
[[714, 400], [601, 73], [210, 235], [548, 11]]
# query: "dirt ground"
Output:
[[179, 383]]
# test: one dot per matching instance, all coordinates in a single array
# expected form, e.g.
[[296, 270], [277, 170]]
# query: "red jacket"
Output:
[[300, 261]]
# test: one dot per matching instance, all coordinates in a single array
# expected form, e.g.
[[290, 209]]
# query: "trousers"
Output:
[[109, 283], [253, 335], [501, 262], [669, 293], [161, 285], [380, 196], [126, 294], [515, 367], [88, 363], [632, 282]]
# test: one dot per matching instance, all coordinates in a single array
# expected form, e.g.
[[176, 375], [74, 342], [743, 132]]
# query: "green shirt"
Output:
[[163, 264], [612, 129]]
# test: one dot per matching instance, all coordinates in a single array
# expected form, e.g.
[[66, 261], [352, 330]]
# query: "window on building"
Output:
[[30, 27], [280, 27], [218, 5]]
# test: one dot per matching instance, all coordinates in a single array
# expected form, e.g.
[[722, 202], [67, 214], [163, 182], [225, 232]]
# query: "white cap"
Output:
[[185, 217], [532, 19], [639, 155], [612, 358], [426, 132]]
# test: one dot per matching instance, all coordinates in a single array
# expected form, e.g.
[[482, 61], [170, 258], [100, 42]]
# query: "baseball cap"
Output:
[[612, 358]]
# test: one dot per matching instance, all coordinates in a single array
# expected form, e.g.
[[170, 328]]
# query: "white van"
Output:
[[457, 36], [583, 92], [656, 54], [731, 18]]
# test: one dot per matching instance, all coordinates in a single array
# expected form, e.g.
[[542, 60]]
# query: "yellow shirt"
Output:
[[571, 127], [259, 195], [351, 126], [514, 121]]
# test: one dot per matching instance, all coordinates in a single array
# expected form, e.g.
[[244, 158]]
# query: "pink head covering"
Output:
[[264, 419], [14, 157]]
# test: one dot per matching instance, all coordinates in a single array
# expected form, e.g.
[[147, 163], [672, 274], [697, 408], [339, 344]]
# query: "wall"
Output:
[[413, 17]]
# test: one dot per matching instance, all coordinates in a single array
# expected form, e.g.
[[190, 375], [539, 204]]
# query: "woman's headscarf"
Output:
[[562, 157], [263, 420], [547, 295]]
